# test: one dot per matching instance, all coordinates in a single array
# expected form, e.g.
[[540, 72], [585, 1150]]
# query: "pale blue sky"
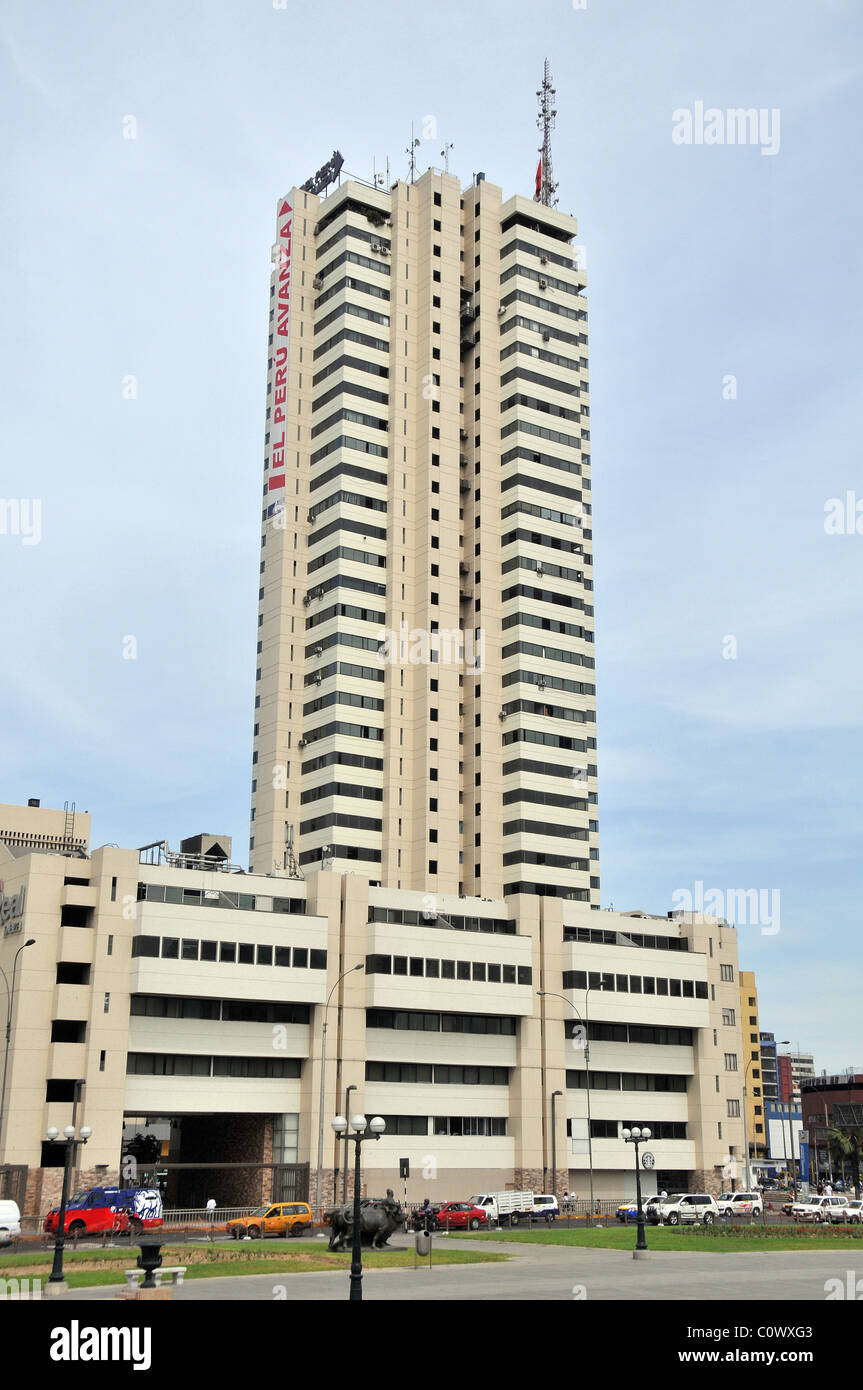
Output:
[[150, 257]]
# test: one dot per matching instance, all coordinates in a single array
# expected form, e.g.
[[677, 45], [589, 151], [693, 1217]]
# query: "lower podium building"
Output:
[[174, 996]]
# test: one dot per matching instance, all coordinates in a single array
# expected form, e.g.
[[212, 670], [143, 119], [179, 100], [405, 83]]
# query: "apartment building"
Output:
[[189, 999], [425, 692], [756, 1123], [792, 1069]]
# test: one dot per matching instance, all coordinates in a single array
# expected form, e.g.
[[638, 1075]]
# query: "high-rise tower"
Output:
[[425, 694]]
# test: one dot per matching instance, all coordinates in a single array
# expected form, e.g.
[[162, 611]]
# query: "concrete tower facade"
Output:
[[425, 694]]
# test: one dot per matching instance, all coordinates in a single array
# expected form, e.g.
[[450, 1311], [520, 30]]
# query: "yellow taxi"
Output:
[[278, 1219]]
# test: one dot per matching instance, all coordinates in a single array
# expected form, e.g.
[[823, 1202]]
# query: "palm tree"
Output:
[[846, 1144]]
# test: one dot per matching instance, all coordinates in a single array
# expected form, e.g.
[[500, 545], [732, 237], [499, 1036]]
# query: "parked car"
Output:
[[10, 1221], [277, 1219], [684, 1209], [628, 1211], [454, 1216], [799, 1207], [740, 1204], [850, 1213], [822, 1209], [546, 1205]]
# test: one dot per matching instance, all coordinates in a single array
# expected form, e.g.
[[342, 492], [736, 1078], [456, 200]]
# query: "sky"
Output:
[[145, 149]]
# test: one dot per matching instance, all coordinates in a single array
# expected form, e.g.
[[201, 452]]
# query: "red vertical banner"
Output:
[[279, 381], [539, 178]]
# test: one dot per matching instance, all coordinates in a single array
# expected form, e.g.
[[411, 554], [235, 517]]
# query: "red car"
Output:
[[460, 1216]]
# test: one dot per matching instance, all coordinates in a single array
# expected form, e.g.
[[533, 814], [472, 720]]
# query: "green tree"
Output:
[[846, 1146]]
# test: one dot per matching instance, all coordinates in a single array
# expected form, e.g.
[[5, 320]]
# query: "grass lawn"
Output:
[[222, 1259], [744, 1239]]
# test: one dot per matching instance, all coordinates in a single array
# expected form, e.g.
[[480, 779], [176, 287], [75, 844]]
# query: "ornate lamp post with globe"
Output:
[[359, 1137], [638, 1136]]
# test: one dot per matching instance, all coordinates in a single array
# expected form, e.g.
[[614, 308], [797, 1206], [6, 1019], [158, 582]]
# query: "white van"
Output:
[[545, 1204], [10, 1221]]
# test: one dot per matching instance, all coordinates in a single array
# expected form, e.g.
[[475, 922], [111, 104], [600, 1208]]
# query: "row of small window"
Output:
[[212, 897], [635, 984], [222, 1010], [424, 1073], [181, 1064], [610, 1129], [625, 1081], [459, 1125], [410, 917], [649, 1033], [616, 938], [418, 1020], [449, 969], [237, 953], [551, 890]]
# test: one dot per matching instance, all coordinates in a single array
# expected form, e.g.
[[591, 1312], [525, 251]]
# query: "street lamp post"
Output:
[[376, 1128], [638, 1136], [547, 994], [554, 1096], [347, 1111], [319, 1178], [746, 1129], [10, 1000], [71, 1142]]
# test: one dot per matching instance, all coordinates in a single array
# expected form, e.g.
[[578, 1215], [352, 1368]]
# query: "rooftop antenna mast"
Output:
[[546, 188], [445, 152], [291, 865], [411, 152]]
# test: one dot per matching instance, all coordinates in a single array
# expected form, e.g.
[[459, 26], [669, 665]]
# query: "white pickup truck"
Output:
[[505, 1208]]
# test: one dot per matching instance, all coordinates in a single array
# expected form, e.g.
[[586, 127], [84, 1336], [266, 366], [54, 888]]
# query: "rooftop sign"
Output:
[[327, 174]]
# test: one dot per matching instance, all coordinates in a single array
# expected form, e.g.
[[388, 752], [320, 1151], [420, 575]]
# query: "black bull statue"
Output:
[[378, 1220]]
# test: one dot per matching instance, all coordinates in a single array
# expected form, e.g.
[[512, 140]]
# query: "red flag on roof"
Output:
[[539, 178]]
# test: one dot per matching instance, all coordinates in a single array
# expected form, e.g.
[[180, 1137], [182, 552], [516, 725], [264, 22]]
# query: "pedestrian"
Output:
[[828, 1189], [211, 1210]]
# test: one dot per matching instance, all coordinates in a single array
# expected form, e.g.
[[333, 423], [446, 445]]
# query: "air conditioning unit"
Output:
[[307, 600], [543, 260], [543, 284], [501, 309], [301, 743], [310, 517], [546, 336], [462, 434], [501, 714], [318, 280], [319, 651], [376, 248]]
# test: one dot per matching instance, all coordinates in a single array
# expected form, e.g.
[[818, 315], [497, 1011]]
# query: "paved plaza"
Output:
[[550, 1272]]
